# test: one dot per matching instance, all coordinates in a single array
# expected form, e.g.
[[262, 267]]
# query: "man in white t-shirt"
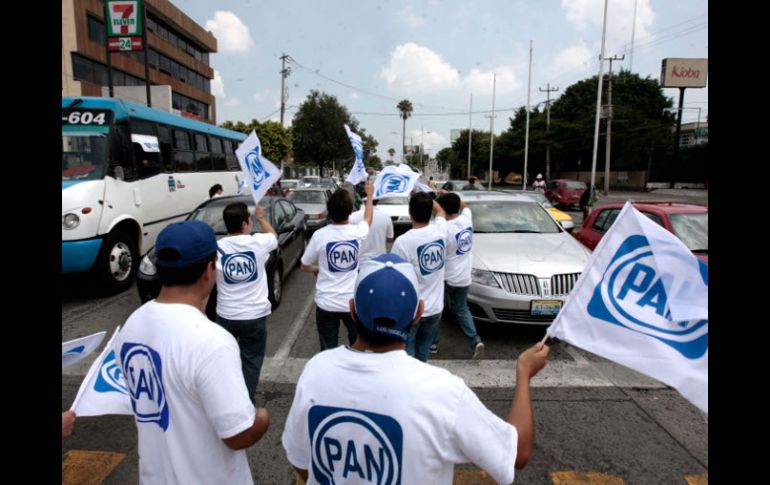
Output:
[[371, 414], [332, 255], [424, 247], [380, 233], [459, 264], [183, 372], [242, 304]]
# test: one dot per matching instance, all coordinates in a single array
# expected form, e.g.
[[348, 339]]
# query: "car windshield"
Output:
[[289, 184], [211, 214], [307, 197], [510, 216], [310, 179], [84, 155], [692, 229], [394, 201], [575, 185]]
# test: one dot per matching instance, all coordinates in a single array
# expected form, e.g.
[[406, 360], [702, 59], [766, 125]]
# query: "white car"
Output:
[[398, 210], [524, 263]]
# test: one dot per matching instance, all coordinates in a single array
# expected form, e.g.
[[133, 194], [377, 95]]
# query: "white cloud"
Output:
[[266, 95], [572, 58], [411, 18], [478, 81], [418, 69], [232, 34], [355, 95], [620, 13], [233, 102], [217, 85], [430, 140]]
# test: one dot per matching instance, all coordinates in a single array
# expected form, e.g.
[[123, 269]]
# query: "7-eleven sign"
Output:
[[123, 18]]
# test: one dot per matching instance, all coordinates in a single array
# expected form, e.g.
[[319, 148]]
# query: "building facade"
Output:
[[178, 50]]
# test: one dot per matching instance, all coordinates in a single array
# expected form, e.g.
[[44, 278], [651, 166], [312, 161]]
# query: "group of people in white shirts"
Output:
[[366, 412]]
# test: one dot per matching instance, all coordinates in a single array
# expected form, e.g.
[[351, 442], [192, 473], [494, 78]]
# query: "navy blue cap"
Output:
[[386, 288], [186, 243]]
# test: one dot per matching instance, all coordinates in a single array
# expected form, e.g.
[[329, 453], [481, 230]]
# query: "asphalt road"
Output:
[[595, 420]]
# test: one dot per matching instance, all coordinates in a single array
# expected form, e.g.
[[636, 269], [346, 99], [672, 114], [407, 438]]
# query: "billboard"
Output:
[[684, 73]]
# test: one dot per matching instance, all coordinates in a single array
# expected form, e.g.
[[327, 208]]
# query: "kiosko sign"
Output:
[[684, 73]]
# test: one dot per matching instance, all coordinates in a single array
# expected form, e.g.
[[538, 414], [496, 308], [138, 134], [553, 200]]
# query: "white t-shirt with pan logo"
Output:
[[335, 248]]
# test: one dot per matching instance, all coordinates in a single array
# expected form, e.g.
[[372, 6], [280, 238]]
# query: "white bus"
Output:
[[127, 172]]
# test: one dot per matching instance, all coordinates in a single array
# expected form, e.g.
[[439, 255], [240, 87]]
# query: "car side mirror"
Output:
[[118, 172]]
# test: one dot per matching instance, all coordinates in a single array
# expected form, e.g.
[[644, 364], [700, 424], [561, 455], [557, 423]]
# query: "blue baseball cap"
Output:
[[186, 243], [386, 288]]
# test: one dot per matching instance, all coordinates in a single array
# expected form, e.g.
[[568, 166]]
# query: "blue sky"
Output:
[[371, 54]]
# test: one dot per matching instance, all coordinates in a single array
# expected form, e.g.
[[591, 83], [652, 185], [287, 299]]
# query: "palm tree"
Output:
[[391, 152], [405, 108]]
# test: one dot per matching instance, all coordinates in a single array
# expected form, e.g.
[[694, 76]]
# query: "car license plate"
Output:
[[546, 307]]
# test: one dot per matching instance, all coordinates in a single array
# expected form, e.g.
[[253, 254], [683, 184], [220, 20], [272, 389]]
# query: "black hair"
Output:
[[185, 276], [235, 214], [339, 206], [378, 339], [420, 207], [450, 202], [214, 189]]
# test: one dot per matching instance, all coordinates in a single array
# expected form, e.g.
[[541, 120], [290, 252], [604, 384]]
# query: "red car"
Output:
[[689, 222], [563, 192]]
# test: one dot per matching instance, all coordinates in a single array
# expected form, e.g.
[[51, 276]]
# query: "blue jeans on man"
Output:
[[251, 336], [421, 336], [457, 299], [328, 324]]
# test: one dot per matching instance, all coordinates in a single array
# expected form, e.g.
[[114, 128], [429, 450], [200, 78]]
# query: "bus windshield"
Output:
[[84, 155]]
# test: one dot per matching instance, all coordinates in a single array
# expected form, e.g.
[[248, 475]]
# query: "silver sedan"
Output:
[[524, 263], [313, 202]]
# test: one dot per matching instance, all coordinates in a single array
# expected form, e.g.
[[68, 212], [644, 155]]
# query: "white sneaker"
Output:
[[478, 350]]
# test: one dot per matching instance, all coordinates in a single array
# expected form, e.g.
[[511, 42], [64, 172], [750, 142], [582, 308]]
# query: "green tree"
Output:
[[319, 135], [479, 153], [276, 140], [405, 109], [391, 154]]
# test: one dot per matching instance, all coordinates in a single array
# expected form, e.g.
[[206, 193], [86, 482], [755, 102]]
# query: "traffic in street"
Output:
[[595, 419]]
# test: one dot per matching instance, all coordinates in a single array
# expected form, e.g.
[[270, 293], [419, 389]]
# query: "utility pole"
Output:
[[285, 71], [492, 130], [548, 92], [609, 126], [526, 132], [633, 31], [598, 104], [470, 131]]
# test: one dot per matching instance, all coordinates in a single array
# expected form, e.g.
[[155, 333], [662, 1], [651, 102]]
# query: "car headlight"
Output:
[[147, 267], [485, 278], [70, 221]]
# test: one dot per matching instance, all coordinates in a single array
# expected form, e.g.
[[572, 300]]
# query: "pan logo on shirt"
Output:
[[464, 240], [354, 446], [239, 267], [431, 257], [342, 256], [144, 379]]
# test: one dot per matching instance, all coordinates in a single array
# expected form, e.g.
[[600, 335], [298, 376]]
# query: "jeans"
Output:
[[458, 304], [328, 324], [422, 335], [251, 336]]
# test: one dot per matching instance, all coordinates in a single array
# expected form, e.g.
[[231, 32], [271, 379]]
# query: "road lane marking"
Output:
[[296, 328], [88, 467], [584, 478]]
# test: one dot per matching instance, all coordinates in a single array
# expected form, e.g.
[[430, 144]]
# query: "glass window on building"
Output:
[[154, 58], [82, 68], [96, 30]]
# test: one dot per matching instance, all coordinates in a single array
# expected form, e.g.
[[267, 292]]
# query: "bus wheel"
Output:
[[275, 286], [117, 262]]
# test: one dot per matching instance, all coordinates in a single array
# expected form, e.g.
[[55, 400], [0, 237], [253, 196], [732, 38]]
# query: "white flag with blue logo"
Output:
[[103, 390], [395, 181], [642, 301], [259, 172], [74, 351], [358, 172]]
